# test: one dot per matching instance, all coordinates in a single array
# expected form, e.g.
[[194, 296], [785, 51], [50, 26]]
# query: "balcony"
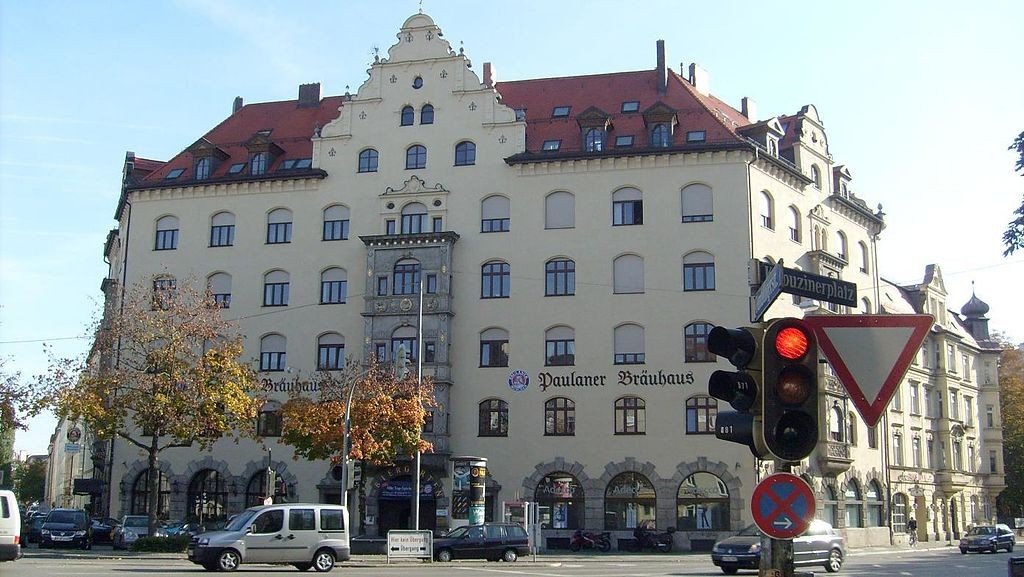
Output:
[[994, 481], [952, 481], [834, 457]]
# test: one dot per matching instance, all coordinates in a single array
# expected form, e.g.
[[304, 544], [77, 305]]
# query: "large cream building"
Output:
[[577, 238]]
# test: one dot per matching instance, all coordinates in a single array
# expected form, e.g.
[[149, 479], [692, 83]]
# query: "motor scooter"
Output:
[[645, 537], [588, 540]]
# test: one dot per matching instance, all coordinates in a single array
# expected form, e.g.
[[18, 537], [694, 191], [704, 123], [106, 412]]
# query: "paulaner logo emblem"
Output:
[[518, 381]]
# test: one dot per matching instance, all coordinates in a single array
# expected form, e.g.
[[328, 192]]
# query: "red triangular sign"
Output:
[[870, 354]]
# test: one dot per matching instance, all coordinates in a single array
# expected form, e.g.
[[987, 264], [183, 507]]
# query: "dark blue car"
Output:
[[988, 538]]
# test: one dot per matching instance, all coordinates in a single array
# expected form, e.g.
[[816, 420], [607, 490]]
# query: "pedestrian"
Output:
[[912, 531]]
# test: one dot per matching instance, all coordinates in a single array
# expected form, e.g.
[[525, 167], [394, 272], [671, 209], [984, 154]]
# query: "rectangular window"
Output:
[[495, 225], [275, 294], [493, 419], [560, 353], [428, 422], [174, 173], [966, 367], [236, 168], [968, 411], [696, 136], [333, 292], [915, 401], [301, 520], [915, 446], [431, 284], [335, 230], [167, 239], [872, 437], [897, 450], [624, 141], [222, 235], [382, 286], [330, 357], [429, 352], [494, 353], [389, 226], [414, 223], [551, 145], [332, 520], [223, 300], [560, 111], [950, 358], [992, 463], [627, 212], [272, 362], [279, 232], [990, 416], [268, 424], [699, 276], [897, 401], [630, 416], [438, 224], [954, 406], [701, 413], [630, 106], [381, 351], [629, 358]]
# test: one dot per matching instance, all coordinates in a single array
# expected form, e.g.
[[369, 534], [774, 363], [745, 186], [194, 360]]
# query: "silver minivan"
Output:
[[303, 535]]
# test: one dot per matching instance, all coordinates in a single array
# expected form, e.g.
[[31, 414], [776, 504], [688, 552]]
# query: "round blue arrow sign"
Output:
[[782, 505]]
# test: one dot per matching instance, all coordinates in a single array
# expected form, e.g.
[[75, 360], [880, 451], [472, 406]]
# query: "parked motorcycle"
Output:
[[589, 540], [646, 537]]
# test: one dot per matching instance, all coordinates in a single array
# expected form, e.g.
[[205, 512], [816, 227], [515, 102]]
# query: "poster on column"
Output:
[[477, 499], [469, 476]]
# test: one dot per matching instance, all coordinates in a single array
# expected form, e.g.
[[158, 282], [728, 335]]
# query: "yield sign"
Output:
[[870, 354], [782, 505]]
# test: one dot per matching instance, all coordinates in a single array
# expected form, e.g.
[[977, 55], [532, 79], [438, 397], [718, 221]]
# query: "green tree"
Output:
[[164, 372], [30, 481], [1011, 401], [14, 396], [1013, 238]]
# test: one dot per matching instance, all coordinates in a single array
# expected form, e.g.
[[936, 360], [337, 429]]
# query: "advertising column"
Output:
[[469, 475]]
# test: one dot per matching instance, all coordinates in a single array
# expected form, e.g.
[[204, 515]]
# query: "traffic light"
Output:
[[739, 388], [790, 380]]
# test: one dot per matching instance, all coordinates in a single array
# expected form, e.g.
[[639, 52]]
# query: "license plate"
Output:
[[61, 538], [730, 558]]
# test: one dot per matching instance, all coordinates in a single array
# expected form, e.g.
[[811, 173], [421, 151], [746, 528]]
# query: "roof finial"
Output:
[[421, 6]]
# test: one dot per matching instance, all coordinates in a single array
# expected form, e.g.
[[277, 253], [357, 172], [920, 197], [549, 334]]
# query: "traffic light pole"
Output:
[[777, 554]]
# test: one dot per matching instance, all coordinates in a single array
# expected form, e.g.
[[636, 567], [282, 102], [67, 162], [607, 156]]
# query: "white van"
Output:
[[10, 526], [303, 535]]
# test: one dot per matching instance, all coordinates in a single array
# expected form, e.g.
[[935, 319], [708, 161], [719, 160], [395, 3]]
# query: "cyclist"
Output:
[[912, 531]]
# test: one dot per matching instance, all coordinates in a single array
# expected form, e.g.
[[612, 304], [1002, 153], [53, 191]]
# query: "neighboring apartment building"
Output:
[[576, 239]]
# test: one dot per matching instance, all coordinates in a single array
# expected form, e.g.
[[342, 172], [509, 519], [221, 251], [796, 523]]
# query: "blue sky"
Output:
[[920, 100]]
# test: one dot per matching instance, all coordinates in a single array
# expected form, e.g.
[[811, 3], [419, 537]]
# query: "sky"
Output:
[[920, 100]]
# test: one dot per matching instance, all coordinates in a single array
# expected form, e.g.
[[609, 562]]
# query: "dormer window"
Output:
[[561, 112], [258, 164], [204, 166], [696, 136], [661, 135], [631, 106], [174, 174], [520, 114], [551, 145], [236, 168], [593, 140], [625, 141]]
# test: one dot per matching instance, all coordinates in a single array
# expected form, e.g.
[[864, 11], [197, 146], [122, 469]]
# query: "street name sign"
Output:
[[770, 290], [870, 354], [822, 288], [782, 506]]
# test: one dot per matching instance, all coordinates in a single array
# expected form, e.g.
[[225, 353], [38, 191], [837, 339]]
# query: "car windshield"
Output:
[[750, 531], [240, 521], [65, 517], [982, 531], [136, 522], [456, 532]]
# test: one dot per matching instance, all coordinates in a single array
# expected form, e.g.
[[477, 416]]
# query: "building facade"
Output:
[[575, 238]]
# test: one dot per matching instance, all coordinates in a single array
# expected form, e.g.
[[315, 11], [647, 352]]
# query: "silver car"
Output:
[[819, 545]]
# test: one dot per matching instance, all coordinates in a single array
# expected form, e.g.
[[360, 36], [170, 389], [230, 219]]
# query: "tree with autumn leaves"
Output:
[[1011, 400], [165, 372]]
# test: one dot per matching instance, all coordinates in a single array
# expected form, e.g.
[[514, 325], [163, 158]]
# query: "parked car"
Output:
[[31, 528], [103, 529], [491, 541], [132, 527], [66, 528], [10, 526], [988, 538], [819, 545]]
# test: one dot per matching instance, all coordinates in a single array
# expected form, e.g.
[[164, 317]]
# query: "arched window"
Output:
[[863, 257], [272, 353], [661, 135], [816, 176], [494, 348], [333, 286], [336, 222], [165, 287], [427, 114], [629, 344], [851, 429], [407, 337], [167, 233], [701, 412], [494, 214], [368, 160], [276, 286], [560, 500], [593, 140], [630, 416], [222, 229], [629, 500], [559, 417], [899, 513], [702, 503], [559, 347], [207, 496], [698, 203], [835, 424], [204, 166], [627, 207], [795, 232], [854, 505], [258, 164], [559, 277], [495, 280], [865, 306], [256, 489], [408, 115], [330, 352], [699, 272], [140, 494], [414, 218], [219, 285], [560, 210], [406, 278], [695, 343], [269, 421], [465, 153], [830, 506], [841, 248], [279, 226], [493, 418], [416, 157], [766, 208], [874, 498], [628, 274]]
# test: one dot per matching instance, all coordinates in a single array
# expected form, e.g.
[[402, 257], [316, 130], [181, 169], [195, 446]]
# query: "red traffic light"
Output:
[[791, 343]]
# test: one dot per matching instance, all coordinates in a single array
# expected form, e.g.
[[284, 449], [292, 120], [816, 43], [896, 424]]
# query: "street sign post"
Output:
[[782, 505], [870, 354]]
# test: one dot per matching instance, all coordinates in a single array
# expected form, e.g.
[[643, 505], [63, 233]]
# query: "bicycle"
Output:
[[913, 538]]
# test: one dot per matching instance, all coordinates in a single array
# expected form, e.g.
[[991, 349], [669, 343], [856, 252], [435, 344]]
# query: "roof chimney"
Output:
[[309, 95], [662, 72], [749, 108], [700, 79], [237, 105]]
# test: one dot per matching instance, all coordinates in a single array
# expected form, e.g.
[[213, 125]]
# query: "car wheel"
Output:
[[323, 561], [444, 555], [509, 556], [963, 551], [995, 547], [1009, 547], [835, 561], [228, 560], [302, 566], [730, 570]]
